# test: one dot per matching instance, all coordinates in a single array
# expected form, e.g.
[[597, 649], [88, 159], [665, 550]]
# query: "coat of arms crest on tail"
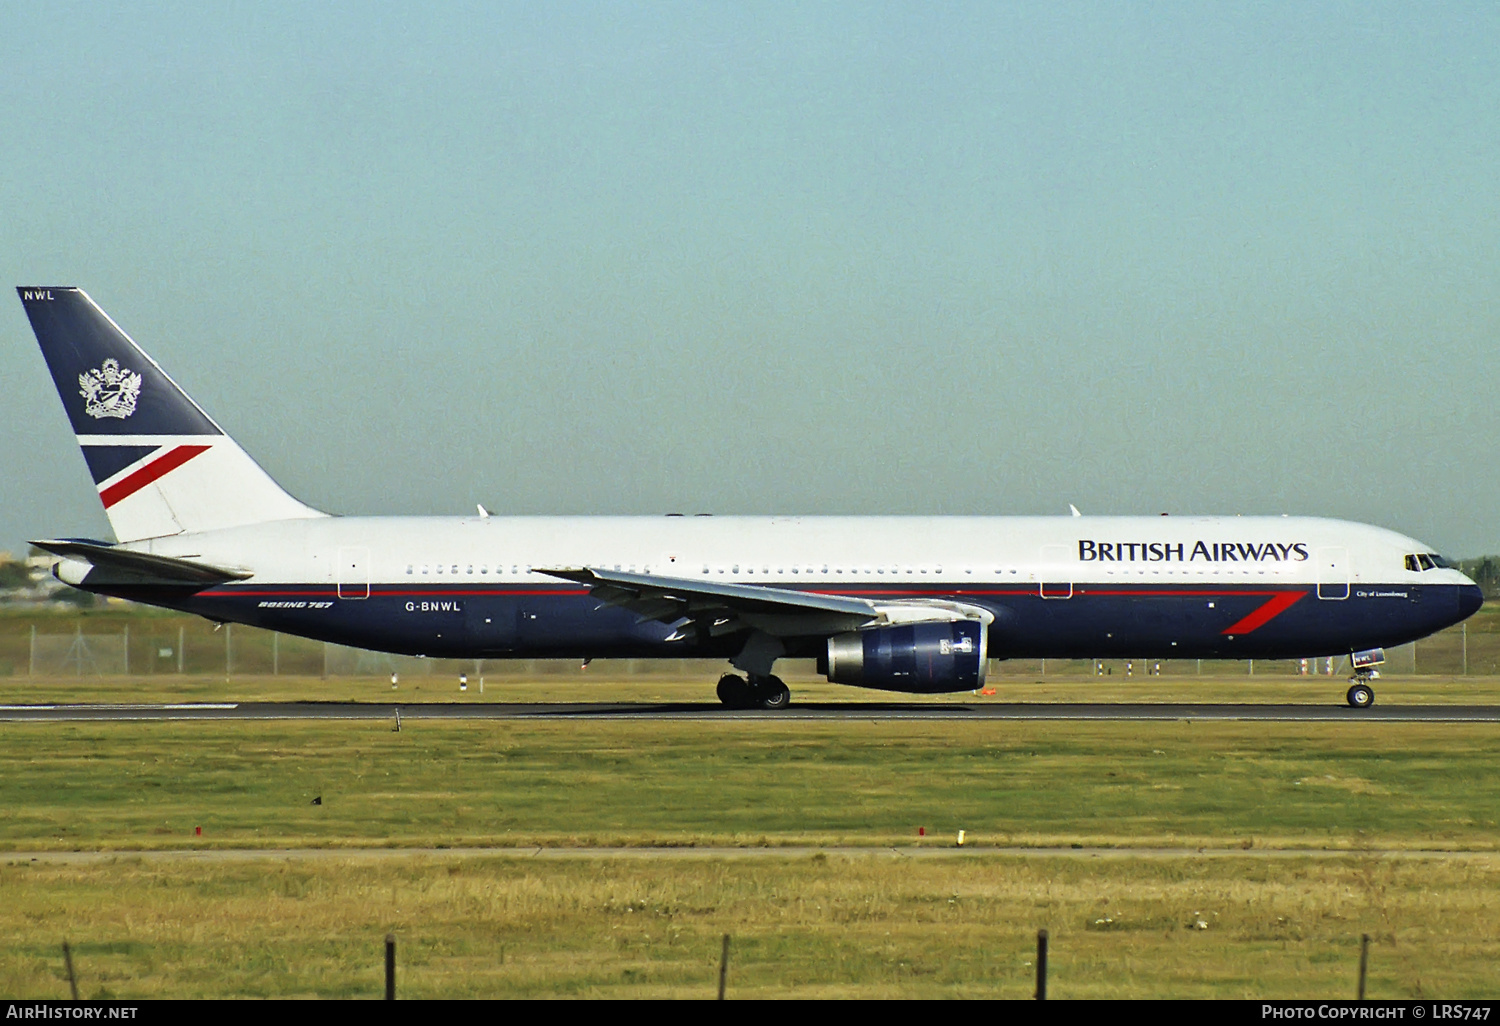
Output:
[[109, 390]]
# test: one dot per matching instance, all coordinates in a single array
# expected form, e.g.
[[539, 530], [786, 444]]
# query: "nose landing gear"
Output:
[[1360, 694], [756, 693]]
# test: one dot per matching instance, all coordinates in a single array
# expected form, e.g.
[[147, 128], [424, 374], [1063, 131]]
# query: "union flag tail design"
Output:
[[161, 464]]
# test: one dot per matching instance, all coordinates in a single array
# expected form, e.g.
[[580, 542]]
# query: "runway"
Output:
[[712, 711]]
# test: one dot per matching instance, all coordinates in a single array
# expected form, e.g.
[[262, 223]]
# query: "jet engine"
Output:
[[918, 658]]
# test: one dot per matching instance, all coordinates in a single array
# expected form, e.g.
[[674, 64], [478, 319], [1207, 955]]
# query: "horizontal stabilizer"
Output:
[[143, 565]]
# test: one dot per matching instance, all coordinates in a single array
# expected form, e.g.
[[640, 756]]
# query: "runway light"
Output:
[[197, 831], [960, 838], [921, 831]]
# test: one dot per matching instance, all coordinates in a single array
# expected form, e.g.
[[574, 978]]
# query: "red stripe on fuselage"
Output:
[[1277, 602], [129, 485], [1265, 614], [254, 591]]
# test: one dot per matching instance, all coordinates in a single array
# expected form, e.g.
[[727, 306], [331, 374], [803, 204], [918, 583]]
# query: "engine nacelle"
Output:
[[71, 571], [918, 658]]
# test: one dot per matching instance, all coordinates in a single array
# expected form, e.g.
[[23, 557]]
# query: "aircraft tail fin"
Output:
[[162, 466]]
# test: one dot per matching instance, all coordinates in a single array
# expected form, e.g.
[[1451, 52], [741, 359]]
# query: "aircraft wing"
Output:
[[721, 608], [140, 566]]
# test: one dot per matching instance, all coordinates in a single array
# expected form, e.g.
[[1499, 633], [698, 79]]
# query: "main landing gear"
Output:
[[756, 693]]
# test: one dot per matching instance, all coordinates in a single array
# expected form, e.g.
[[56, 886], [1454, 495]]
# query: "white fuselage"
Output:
[[821, 551]]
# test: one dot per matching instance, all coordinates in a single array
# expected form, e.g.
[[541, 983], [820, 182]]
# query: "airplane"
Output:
[[908, 604]]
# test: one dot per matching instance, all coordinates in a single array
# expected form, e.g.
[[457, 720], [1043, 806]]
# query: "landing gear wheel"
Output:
[[734, 692], [773, 694], [1361, 696]]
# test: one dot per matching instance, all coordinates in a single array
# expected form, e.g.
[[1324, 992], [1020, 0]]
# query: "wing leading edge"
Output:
[[719, 609]]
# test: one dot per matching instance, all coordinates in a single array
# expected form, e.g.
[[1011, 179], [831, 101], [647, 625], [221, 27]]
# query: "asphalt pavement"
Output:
[[713, 711]]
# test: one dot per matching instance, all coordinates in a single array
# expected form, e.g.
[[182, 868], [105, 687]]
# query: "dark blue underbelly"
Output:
[[1094, 621]]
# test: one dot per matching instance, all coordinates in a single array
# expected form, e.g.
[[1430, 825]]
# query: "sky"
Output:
[[777, 258]]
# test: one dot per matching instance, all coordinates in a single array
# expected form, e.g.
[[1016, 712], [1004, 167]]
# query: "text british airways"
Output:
[[1178, 552]]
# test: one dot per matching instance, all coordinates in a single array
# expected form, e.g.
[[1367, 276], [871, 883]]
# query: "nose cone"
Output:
[[1470, 598]]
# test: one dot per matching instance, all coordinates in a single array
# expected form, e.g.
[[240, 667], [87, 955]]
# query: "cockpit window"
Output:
[[1419, 561]]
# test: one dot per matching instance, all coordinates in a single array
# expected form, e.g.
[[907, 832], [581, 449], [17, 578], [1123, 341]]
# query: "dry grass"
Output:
[[603, 682], [834, 926]]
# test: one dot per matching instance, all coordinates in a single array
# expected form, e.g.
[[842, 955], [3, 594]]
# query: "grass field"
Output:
[[604, 683], [1347, 785], [1282, 919], [817, 926], [1277, 923]]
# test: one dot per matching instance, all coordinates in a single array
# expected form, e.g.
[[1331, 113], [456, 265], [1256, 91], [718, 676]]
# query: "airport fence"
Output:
[[1043, 943], [149, 646]]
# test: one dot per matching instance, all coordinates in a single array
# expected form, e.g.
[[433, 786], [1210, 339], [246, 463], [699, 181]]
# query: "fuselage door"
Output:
[[1055, 575], [353, 573], [1333, 572]]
